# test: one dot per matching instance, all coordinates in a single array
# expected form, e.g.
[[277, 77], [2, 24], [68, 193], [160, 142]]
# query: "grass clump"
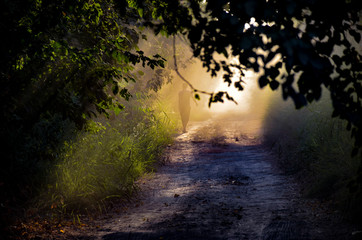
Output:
[[106, 159]]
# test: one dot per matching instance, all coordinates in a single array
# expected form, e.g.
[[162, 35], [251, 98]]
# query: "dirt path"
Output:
[[220, 183]]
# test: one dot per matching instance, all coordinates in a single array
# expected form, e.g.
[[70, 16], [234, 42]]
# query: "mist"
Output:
[[250, 107], [259, 112]]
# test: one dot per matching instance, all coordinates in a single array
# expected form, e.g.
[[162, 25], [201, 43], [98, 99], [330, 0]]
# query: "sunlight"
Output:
[[252, 22], [241, 97]]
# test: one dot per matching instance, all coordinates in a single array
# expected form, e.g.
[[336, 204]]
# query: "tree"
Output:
[[296, 45], [71, 49], [61, 62]]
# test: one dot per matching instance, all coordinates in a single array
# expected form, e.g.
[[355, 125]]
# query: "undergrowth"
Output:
[[104, 161], [318, 147]]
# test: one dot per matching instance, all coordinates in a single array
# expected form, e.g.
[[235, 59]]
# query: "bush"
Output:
[[309, 141], [106, 159]]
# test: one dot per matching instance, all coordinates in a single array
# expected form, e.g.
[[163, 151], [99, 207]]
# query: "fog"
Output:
[[251, 106], [252, 102]]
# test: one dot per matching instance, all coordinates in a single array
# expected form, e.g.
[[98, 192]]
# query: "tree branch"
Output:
[[179, 74], [218, 97]]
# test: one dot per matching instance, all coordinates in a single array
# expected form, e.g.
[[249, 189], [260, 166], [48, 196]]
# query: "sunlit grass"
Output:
[[105, 160]]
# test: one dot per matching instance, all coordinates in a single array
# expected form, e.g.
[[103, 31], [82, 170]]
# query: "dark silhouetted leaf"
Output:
[[263, 81], [356, 35], [274, 85], [238, 86]]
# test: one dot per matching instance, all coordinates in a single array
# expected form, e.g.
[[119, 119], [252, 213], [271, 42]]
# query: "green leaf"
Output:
[[140, 12], [117, 109]]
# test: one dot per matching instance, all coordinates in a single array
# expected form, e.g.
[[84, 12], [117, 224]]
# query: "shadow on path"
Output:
[[221, 187]]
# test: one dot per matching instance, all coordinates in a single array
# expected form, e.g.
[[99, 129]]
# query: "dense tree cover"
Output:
[[62, 61], [71, 49]]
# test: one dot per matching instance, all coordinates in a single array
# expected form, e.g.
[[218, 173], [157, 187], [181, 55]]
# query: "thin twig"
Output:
[[179, 74], [212, 94]]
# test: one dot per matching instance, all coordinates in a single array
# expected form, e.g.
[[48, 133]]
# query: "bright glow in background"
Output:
[[243, 98]]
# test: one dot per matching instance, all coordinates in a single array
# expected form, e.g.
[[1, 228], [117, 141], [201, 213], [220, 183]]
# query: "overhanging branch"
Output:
[[218, 97], [179, 74]]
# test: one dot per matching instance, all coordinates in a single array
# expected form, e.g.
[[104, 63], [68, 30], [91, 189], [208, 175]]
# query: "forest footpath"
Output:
[[219, 182]]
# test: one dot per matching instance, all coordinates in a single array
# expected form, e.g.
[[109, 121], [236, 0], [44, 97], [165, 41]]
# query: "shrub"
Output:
[[311, 142], [106, 159]]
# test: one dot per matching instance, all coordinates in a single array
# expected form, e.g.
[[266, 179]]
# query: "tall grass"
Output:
[[318, 147], [106, 159]]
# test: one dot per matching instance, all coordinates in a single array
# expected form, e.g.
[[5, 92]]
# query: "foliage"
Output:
[[105, 160], [318, 149], [65, 58], [297, 46], [299, 42], [62, 62]]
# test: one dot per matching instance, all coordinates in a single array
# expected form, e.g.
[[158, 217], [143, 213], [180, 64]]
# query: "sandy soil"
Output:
[[219, 183]]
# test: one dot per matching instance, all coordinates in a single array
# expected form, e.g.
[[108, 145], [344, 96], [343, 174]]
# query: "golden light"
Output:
[[242, 98]]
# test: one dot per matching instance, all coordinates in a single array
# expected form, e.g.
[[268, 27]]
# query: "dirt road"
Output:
[[220, 183]]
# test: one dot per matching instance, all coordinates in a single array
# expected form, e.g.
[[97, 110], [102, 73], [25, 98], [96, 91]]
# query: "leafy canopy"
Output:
[[296, 45]]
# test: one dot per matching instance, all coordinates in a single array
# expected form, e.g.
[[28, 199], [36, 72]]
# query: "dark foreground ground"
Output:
[[219, 183]]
